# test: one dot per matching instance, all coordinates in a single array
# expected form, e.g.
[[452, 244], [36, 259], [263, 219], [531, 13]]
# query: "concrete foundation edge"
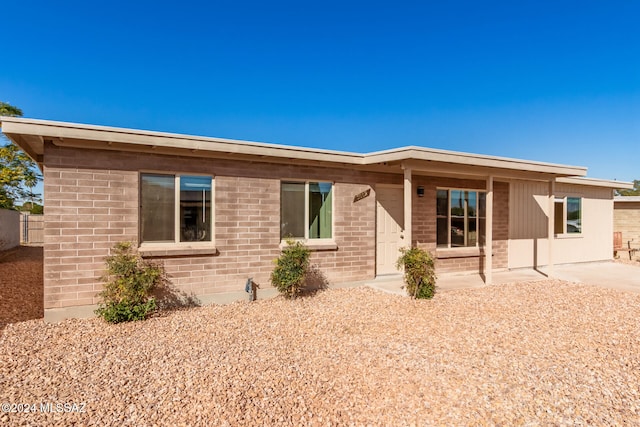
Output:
[[55, 315]]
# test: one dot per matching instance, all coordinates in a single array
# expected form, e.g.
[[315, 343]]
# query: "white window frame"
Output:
[[564, 201], [176, 231], [306, 240], [449, 190]]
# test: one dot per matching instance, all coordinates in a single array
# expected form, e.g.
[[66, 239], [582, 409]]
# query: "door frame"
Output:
[[377, 186]]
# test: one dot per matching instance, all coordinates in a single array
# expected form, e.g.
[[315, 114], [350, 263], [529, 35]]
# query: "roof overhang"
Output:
[[31, 135], [593, 182], [627, 199]]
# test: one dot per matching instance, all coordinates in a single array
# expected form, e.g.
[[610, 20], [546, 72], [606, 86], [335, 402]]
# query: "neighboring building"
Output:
[[216, 211], [626, 219]]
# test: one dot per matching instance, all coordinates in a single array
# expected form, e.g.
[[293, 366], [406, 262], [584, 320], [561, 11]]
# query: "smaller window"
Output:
[[306, 210], [175, 208], [558, 216], [574, 215], [195, 209], [157, 208], [442, 215], [568, 215]]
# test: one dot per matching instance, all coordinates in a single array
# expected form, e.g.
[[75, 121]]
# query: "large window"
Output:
[[175, 208], [460, 218], [568, 215], [306, 210]]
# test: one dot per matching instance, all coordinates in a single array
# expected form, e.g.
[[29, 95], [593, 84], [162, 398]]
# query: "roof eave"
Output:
[[63, 133], [627, 199], [426, 155], [595, 182], [150, 139]]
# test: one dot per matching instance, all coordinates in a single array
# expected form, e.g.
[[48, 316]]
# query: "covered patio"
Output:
[[485, 171]]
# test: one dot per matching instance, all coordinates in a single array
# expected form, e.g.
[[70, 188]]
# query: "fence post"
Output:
[[24, 219]]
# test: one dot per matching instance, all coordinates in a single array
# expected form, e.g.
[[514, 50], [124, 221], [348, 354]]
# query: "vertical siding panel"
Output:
[[528, 226]]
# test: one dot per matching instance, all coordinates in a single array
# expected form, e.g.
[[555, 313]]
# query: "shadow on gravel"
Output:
[[315, 281], [170, 298], [21, 285]]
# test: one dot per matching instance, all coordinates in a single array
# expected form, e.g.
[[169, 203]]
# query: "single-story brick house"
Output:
[[216, 211], [626, 219]]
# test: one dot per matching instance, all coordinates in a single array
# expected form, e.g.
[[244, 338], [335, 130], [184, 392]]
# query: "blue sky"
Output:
[[550, 81]]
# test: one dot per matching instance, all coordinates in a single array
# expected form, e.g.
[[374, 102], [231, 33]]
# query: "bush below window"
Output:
[[288, 276], [130, 280]]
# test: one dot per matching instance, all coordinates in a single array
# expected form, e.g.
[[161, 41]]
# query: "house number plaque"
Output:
[[362, 195]]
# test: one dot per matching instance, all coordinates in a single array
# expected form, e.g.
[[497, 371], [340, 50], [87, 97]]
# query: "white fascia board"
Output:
[[455, 157], [594, 182], [624, 199], [147, 139], [63, 130]]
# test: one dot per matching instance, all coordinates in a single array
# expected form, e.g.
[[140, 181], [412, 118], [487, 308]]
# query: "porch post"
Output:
[[408, 197], [488, 246], [551, 226]]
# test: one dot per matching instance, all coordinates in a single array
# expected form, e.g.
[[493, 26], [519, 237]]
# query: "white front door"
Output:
[[389, 228]]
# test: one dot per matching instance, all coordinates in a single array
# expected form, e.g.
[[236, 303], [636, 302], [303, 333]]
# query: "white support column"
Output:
[[408, 201], [551, 226], [488, 246]]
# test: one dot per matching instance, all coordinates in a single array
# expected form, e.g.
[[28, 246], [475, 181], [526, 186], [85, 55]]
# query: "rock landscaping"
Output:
[[21, 291], [539, 353]]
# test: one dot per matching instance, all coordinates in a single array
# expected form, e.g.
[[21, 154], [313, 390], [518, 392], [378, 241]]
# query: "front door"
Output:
[[389, 228]]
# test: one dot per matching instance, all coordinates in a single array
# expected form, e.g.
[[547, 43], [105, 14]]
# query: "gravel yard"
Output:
[[21, 287], [541, 353]]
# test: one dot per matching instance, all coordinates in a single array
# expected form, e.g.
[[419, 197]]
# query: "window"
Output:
[[568, 215], [460, 218], [175, 208], [306, 210]]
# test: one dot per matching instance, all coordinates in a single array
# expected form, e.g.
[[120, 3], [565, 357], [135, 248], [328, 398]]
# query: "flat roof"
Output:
[[594, 182], [30, 135], [635, 199]]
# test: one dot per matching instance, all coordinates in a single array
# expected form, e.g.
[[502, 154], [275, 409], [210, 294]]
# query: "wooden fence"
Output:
[[31, 229]]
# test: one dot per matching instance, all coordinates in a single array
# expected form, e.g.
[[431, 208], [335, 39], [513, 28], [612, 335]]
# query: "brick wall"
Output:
[[500, 224], [88, 210], [626, 219], [92, 203]]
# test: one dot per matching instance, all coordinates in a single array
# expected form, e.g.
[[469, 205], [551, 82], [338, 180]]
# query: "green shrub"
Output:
[[419, 272], [291, 268], [130, 281]]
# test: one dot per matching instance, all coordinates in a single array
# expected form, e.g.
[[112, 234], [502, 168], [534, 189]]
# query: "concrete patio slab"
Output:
[[394, 283], [606, 274]]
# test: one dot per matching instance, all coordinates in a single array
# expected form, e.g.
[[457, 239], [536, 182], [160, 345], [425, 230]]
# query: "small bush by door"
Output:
[[419, 272]]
